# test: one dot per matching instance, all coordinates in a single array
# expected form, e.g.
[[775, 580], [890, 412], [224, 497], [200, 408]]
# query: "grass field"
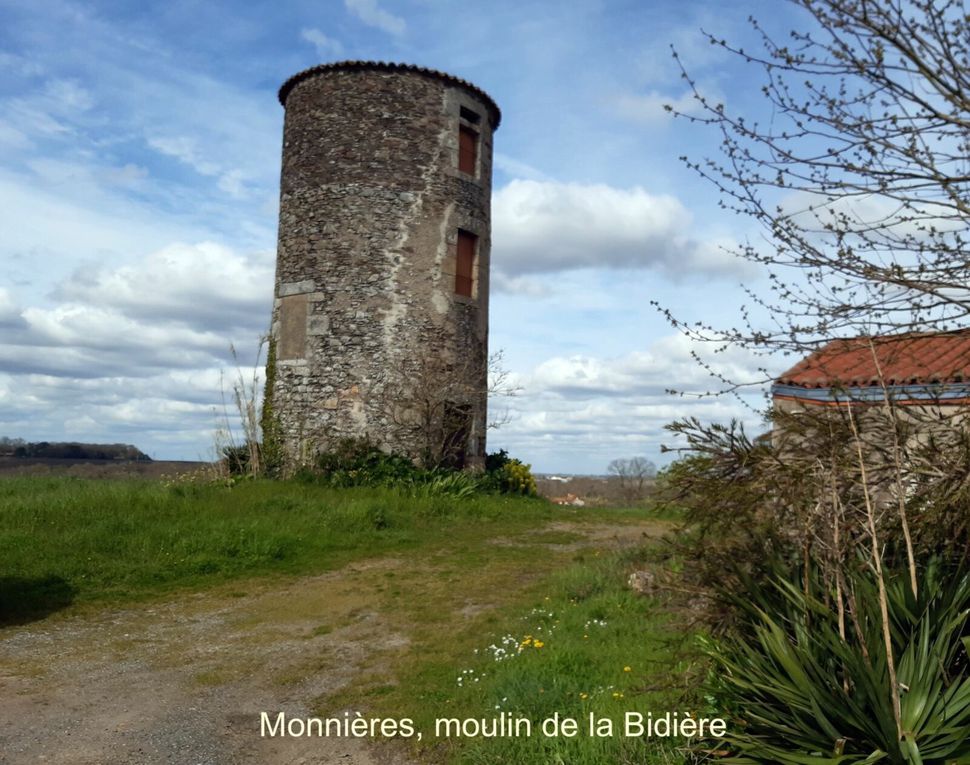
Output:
[[509, 606], [573, 642], [77, 540]]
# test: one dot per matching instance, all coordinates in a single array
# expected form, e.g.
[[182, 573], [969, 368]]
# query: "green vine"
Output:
[[272, 441]]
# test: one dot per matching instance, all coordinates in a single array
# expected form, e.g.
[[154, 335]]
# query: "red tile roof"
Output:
[[910, 359]]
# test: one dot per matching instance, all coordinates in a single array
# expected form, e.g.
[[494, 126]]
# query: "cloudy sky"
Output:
[[139, 177]]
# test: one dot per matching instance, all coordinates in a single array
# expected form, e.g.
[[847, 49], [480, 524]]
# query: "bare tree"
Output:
[[502, 386], [860, 179], [634, 475], [860, 182], [434, 401]]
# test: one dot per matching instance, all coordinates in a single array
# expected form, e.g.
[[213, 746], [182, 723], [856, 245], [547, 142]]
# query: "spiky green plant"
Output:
[[446, 482], [802, 688]]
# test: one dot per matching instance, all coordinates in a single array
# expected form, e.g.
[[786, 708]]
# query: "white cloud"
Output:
[[667, 364], [518, 285], [94, 222], [52, 111], [68, 95], [651, 109], [864, 213], [21, 65], [9, 310], [186, 150], [164, 411], [180, 309], [232, 184], [28, 117], [577, 411], [136, 352], [548, 226], [656, 64], [373, 15], [517, 168], [204, 285], [12, 138], [79, 328], [326, 47]]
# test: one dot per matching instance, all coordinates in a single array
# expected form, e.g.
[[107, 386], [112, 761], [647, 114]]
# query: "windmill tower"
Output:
[[380, 317]]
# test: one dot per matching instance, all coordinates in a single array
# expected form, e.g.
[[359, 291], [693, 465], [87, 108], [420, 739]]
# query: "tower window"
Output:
[[467, 150], [468, 114], [465, 263]]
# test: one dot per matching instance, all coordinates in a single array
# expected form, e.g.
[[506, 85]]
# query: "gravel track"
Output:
[[184, 682]]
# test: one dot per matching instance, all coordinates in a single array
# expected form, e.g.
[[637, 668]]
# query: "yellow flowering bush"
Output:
[[517, 478], [509, 475]]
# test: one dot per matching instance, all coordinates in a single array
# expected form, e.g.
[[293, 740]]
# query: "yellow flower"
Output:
[[627, 669], [584, 695], [538, 644], [617, 695]]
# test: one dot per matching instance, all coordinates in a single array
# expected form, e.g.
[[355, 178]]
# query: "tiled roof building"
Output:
[[910, 368]]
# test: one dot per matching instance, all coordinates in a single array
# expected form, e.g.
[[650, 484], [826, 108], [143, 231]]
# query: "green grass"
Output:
[[64, 539], [591, 628], [604, 651], [466, 574]]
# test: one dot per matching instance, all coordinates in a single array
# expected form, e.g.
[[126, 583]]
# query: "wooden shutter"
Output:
[[467, 150], [465, 264]]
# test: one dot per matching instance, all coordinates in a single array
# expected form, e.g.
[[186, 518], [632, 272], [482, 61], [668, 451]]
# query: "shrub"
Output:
[[804, 685], [515, 477], [751, 505], [237, 459], [358, 462], [495, 461]]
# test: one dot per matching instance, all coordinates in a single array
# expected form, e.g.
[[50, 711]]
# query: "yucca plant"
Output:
[[799, 688]]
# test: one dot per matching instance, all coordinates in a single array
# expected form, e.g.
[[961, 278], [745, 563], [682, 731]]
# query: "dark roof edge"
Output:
[[381, 66]]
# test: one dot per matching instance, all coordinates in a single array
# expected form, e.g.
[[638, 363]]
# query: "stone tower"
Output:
[[380, 318]]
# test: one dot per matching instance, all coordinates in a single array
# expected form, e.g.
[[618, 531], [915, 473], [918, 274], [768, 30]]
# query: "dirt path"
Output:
[[184, 682]]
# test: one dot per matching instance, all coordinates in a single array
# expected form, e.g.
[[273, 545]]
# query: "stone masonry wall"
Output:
[[366, 320]]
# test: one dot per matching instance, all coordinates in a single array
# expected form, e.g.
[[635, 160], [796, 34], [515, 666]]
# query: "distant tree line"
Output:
[[17, 447]]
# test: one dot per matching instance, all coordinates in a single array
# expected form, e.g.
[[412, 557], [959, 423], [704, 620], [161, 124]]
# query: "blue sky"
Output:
[[139, 163]]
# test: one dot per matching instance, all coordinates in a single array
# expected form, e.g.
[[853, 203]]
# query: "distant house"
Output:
[[928, 374]]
